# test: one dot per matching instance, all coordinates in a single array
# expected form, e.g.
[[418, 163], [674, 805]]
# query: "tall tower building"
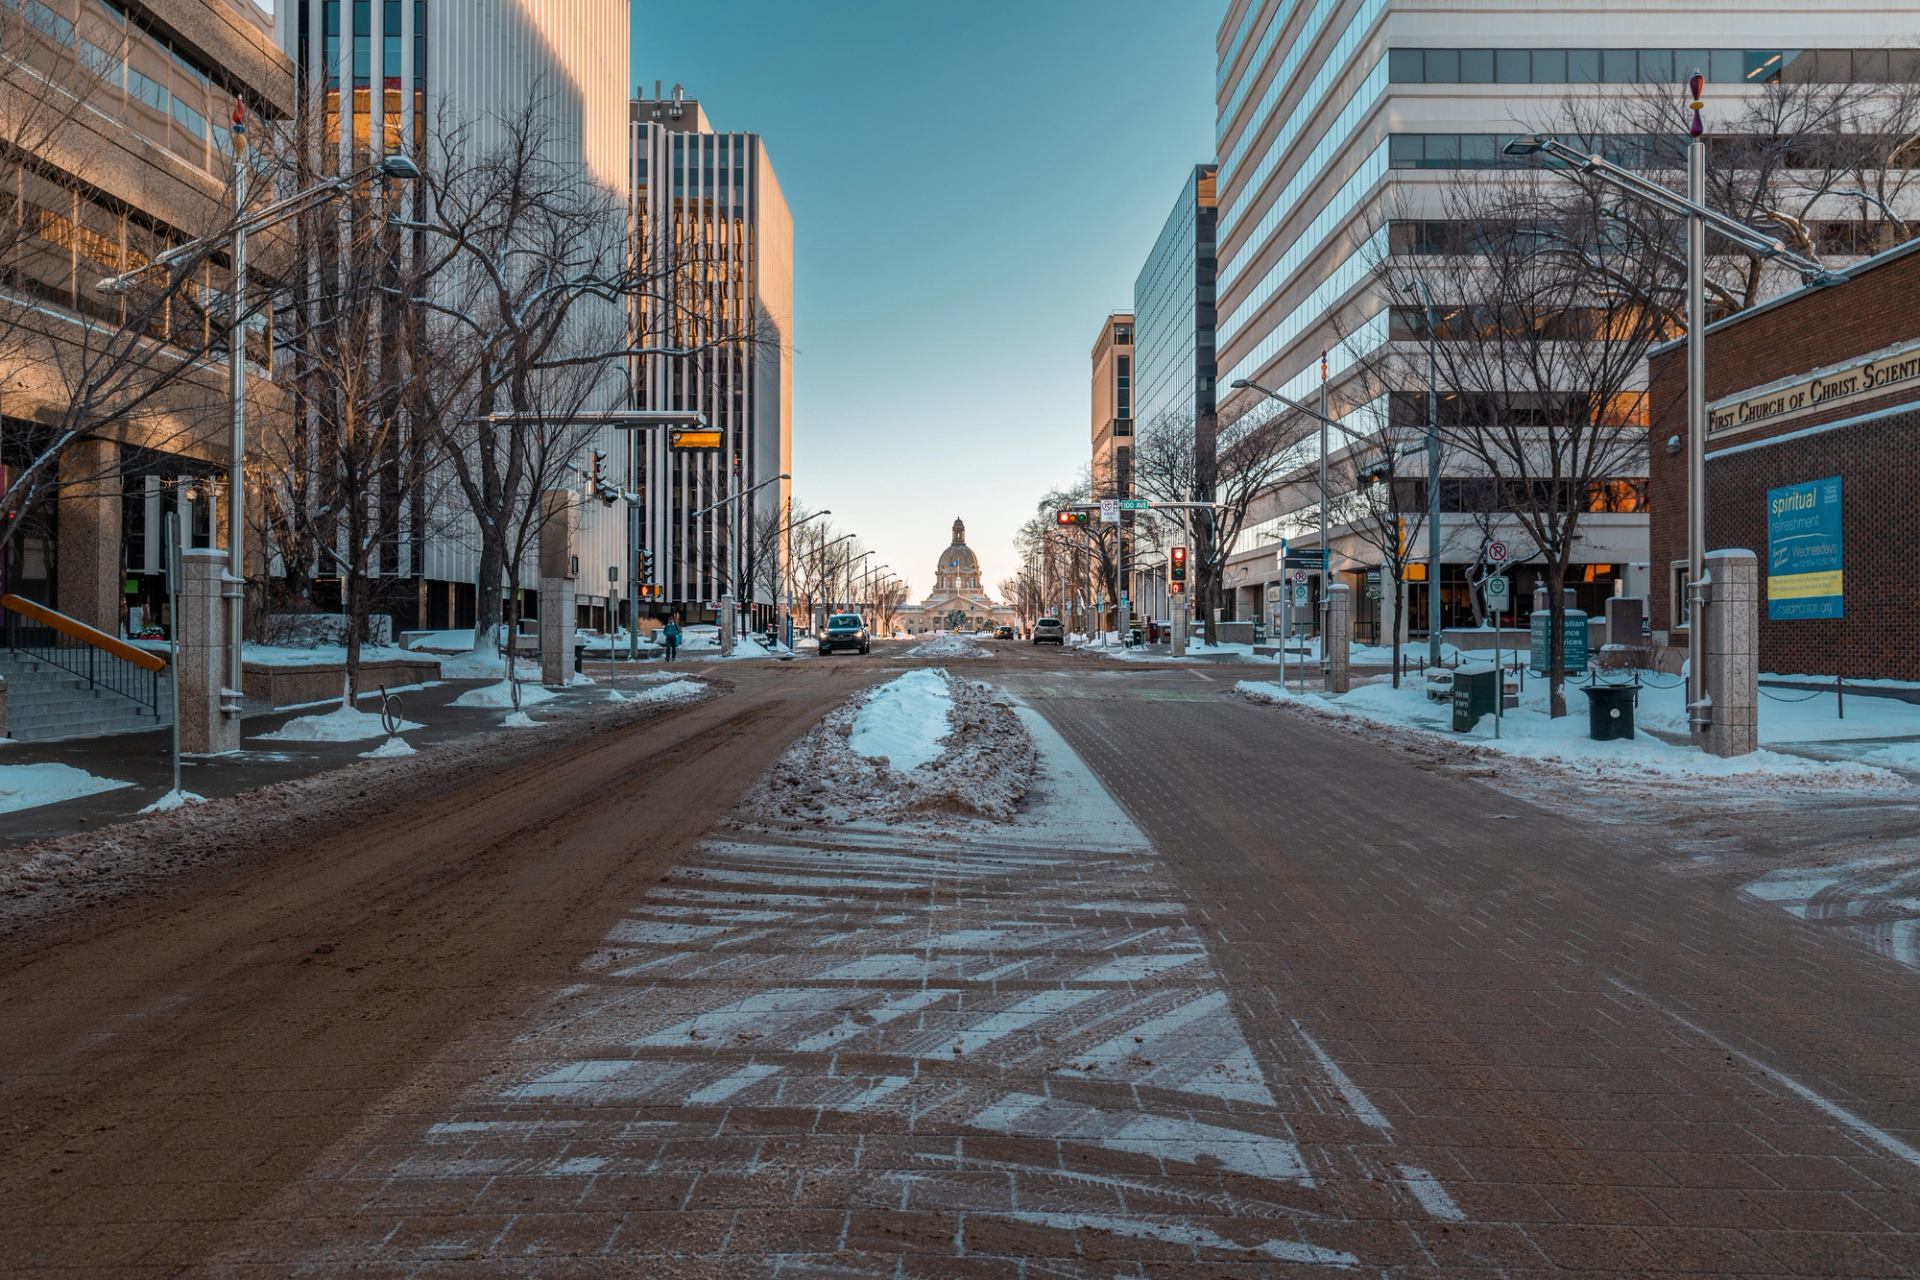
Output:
[[711, 230], [1173, 311], [1112, 404], [380, 76]]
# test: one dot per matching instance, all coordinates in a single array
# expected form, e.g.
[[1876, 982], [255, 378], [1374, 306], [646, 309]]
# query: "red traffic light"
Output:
[[1071, 517], [1177, 561]]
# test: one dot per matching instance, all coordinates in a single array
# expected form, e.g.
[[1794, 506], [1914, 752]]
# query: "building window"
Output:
[[1682, 608], [1123, 387]]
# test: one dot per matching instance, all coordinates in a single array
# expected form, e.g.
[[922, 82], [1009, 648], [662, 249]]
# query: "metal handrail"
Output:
[[103, 661]]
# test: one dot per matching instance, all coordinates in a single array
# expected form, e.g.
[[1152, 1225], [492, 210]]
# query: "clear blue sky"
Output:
[[974, 185]]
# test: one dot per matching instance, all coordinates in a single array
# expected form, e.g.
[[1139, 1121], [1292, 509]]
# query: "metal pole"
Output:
[[175, 563], [1433, 487], [235, 587], [1699, 711], [1326, 539], [633, 574]]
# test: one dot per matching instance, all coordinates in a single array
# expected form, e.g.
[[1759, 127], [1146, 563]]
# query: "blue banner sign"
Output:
[[1803, 551]]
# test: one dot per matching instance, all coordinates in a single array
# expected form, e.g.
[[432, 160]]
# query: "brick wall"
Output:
[[1878, 462]]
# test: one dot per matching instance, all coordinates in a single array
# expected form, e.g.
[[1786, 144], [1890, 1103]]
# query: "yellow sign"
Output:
[[1799, 586], [695, 438], [1416, 572]]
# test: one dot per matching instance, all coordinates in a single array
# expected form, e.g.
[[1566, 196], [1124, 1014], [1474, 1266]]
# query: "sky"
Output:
[[974, 185]]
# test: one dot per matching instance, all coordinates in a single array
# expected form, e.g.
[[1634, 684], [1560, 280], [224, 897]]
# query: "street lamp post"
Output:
[[846, 572], [786, 588], [1433, 487], [235, 588], [733, 551], [1700, 219]]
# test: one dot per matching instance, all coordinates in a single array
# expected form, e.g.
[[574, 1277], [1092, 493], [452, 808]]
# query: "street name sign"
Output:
[[1134, 504], [1307, 559]]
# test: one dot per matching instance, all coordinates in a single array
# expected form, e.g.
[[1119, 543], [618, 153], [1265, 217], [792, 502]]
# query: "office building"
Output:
[[381, 76], [1339, 126], [1112, 403], [712, 235], [117, 128]]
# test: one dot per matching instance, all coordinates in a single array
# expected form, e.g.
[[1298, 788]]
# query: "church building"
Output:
[[958, 601]]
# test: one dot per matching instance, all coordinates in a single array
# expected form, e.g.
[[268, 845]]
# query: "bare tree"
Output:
[[1541, 351]]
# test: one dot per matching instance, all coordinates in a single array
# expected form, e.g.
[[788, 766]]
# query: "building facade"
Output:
[[710, 227], [1813, 463], [1112, 404], [118, 147], [959, 600], [387, 76], [1339, 125]]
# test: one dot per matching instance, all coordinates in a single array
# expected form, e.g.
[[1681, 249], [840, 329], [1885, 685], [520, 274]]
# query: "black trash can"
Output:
[[1610, 711]]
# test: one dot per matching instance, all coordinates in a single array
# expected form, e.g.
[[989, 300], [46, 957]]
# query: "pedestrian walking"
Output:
[[670, 636]]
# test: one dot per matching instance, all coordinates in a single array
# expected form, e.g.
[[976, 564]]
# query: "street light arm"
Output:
[[1297, 407], [714, 506]]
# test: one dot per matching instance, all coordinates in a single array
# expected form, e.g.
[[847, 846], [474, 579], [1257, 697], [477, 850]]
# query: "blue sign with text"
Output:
[[1803, 551]]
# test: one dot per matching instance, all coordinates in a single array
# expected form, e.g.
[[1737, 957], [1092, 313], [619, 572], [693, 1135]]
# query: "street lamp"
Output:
[[1692, 207], [1433, 488], [786, 588], [846, 570], [396, 167], [733, 544]]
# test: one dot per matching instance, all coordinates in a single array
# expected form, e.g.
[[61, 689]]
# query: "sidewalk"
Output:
[[143, 760]]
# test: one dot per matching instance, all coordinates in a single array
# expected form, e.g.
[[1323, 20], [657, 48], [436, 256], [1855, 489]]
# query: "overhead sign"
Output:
[[1109, 511], [704, 438], [1804, 551], [1888, 371]]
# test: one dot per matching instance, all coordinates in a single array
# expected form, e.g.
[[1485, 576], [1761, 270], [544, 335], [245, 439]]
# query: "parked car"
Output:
[[1004, 633], [846, 631], [1049, 631]]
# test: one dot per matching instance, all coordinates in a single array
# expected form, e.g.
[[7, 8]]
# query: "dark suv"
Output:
[[846, 631]]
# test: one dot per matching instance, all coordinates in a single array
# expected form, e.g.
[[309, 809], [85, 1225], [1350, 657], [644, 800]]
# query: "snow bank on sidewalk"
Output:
[[947, 647], [671, 691], [1529, 734], [500, 695], [342, 724], [904, 721], [28, 786]]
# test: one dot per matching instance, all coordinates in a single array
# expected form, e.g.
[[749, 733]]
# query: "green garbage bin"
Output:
[[1610, 711], [1474, 691]]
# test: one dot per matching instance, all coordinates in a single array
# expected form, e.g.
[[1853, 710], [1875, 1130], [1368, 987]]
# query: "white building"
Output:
[[475, 62], [1337, 117]]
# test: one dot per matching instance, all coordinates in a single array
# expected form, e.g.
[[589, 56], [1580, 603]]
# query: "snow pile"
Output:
[[904, 721], [174, 800], [945, 646], [983, 766], [519, 720], [671, 691], [390, 749], [500, 695], [342, 724], [28, 786], [1529, 735]]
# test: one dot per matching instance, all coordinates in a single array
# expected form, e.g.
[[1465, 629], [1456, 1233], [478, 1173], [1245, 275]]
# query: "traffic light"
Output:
[[1177, 570], [1072, 517], [597, 479], [646, 564]]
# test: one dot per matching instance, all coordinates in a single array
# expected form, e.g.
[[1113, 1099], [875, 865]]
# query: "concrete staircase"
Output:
[[45, 701]]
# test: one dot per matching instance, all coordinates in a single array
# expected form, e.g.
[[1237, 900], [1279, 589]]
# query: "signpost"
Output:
[[1495, 590], [1804, 570], [171, 532], [1109, 511]]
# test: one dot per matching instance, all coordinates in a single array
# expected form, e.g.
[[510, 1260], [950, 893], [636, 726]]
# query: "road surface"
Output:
[[1248, 995]]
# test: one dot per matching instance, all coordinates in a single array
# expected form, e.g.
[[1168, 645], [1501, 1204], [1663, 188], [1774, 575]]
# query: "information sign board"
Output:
[[1804, 551]]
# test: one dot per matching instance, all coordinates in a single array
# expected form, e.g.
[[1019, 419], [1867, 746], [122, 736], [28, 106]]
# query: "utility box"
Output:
[[1474, 692]]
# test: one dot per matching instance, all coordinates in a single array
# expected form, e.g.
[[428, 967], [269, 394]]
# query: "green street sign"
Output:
[[1133, 504]]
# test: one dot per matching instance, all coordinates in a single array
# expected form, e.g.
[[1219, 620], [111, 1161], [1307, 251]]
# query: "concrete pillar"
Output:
[[88, 585], [201, 624], [1177, 644], [729, 612], [1339, 635], [1732, 652], [557, 574]]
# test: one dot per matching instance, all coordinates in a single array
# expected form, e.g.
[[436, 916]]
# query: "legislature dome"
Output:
[[958, 558]]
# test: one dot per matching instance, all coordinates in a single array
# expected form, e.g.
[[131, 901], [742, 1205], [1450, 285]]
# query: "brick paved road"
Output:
[[1294, 1005], [1608, 1066]]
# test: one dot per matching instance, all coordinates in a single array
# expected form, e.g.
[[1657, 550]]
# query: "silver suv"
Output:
[[1049, 631]]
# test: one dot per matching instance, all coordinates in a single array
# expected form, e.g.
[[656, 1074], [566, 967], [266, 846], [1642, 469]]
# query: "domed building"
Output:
[[958, 601]]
